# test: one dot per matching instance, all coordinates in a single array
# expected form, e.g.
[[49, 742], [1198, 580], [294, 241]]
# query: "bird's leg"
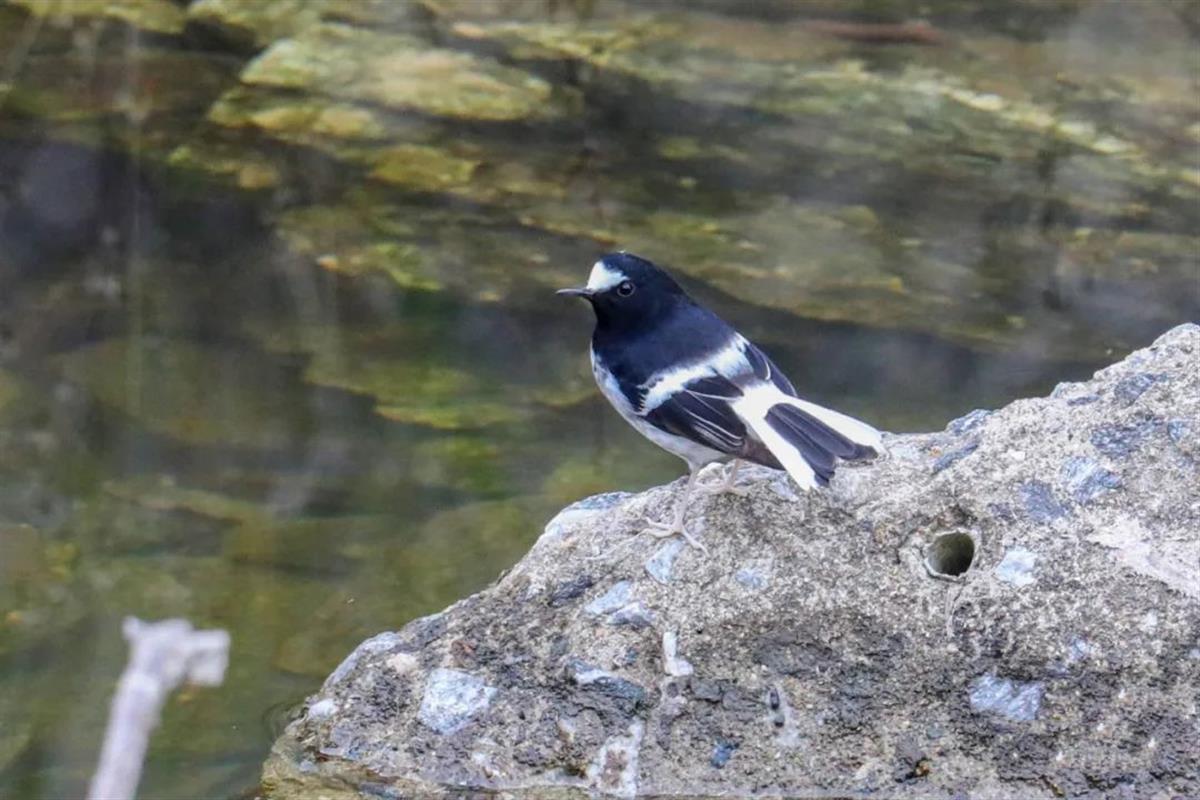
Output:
[[676, 527], [729, 484]]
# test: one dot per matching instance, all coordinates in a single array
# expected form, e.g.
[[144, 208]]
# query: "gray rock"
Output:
[[1062, 661], [580, 512]]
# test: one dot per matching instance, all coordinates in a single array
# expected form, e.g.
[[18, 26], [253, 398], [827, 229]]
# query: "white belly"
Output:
[[696, 455]]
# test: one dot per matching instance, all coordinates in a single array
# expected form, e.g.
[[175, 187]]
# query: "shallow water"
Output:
[[278, 347]]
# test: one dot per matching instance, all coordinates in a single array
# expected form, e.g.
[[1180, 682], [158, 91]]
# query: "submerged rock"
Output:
[[255, 23], [809, 651], [155, 16], [399, 71]]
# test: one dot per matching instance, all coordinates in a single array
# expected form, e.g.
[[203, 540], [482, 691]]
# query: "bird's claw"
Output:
[[665, 530], [726, 485]]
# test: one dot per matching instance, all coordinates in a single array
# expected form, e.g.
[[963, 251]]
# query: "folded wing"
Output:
[[747, 408]]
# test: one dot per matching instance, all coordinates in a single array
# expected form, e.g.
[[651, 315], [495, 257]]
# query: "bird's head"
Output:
[[627, 291]]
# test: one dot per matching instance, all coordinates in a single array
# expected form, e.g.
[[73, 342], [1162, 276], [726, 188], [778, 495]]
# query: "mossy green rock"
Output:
[[430, 391], [830, 113], [155, 16], [155, 382], [400, 71], [260, 23]]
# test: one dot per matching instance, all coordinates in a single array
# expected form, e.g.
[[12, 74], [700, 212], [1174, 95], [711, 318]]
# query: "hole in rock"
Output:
[[950, 554]]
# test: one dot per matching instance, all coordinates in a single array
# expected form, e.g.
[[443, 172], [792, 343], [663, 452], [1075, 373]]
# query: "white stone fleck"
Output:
[[403, 663], [322, 709], [673, 664], [659, 565], [1015, 700], [616, 597], [614, 770], [451, 698], [1017, 567]]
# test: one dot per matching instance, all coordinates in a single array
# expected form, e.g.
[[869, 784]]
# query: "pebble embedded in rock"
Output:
[[661, 564], [1121, 441], [617, 596], [1017, 567], [635, 615], [722, 752], [1040, 503], [674, 664], [569, 590], [1128, 390], [451, 698], [951, 458], [1087, 480], [629, 694], [751, 578], [321, 709], [969, 422], [1014, 700]]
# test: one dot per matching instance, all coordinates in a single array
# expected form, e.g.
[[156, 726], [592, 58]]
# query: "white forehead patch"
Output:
[[604, 277]]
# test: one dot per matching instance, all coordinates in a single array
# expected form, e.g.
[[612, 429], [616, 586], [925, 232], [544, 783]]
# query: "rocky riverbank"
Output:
[[1009, 607]]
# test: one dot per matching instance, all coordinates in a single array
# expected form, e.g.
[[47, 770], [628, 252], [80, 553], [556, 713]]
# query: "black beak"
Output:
[[581, 291]]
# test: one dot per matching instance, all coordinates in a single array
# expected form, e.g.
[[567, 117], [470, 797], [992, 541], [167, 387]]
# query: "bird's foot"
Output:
[[724, 487], [665, 530], [727, 485]]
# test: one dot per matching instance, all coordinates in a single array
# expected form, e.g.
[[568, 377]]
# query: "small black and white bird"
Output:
[[697, 388]]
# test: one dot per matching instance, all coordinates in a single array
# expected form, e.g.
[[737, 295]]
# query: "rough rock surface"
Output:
[[814, 652]]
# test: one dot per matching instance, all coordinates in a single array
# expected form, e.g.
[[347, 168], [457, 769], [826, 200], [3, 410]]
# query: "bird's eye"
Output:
[[625, 288]]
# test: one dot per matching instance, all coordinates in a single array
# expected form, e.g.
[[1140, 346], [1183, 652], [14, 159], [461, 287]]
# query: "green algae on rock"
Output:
[[950, 98], [164, 495], [243, 168], [482, 254], [421, 155], [417, 393], [313, 121], [154, 16], [429, 394], [110, 84], [401, 71], [260, 23], [154, 382]]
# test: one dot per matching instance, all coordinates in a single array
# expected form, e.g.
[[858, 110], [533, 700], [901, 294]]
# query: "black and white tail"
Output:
[[806, 439]]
